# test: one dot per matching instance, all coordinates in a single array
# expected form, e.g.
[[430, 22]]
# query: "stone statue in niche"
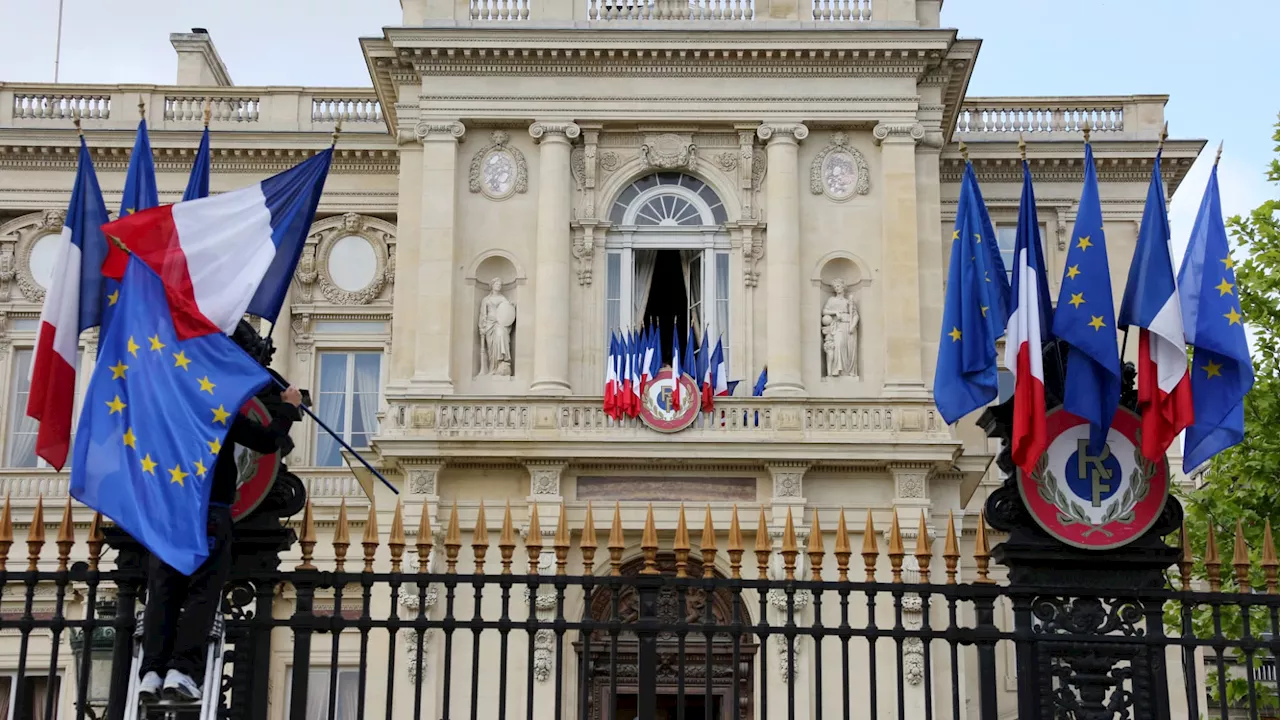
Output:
[[497, 317], [840, 332]]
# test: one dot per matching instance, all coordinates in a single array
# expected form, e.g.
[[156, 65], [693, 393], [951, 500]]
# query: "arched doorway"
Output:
[[667, 261], [610, 663]]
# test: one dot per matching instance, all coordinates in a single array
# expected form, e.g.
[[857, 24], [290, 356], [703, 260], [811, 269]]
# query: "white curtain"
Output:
[[693, 288], [346, 700], [367, 371], [22, 433], [333, 400], [645, 261]]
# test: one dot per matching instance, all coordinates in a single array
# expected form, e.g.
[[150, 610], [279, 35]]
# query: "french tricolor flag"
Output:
[[73, 303], [611, 379], [223, 256], [1151, 304], [1030, 324]]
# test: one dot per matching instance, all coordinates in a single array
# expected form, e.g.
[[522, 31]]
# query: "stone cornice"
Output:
[[265, 160], [1117, 161]]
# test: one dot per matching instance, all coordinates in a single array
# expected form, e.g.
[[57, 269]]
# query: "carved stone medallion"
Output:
[[669, 151], [499, 170], [839, 171], [352, 259]]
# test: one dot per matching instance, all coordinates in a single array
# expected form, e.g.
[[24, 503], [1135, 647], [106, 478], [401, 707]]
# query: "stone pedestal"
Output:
[[900, 258], [782, 257], [551, 277], [433, 346]]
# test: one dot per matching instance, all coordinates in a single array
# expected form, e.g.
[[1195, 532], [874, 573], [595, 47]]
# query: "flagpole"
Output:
[[1164, 134], [57, 51]]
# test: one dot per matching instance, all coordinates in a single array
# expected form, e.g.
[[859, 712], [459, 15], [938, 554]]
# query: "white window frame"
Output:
[[288, 685], [349, 392], [1012, 228], [42, 673], [13, 413]]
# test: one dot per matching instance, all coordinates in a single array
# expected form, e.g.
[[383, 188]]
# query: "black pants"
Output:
[[170, 643]]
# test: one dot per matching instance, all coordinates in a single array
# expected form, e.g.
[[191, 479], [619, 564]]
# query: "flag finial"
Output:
[[1164, 135], [75, 120], [337, 130], [1088, 128], [964, 151], [142, 107], [1217, 159], [208, 111], [1022, 147]]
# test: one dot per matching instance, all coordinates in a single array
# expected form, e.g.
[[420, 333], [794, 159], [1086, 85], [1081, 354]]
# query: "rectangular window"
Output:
[[349, 385], [35, 694], [613, 291], [20, 445], [345, 700], [722, 305], [1007, 239]]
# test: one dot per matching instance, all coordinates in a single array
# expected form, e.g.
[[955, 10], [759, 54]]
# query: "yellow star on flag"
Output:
[[113, 298], [181, 360], [1228, 262], [1223, 287], [148, 465], [117, 370], [128, 211], [1233, 317], [1077, 299], [955, 334], [116, 406], [177, 476], [220, 415], [130, 440], [984, 311], [215, 446], [133, 347], [979, 238], [1212, 370], [955, 234], [155, 343], [1096, 323], [1072, 272], [206, 386], [1084, 243], [200, 469]]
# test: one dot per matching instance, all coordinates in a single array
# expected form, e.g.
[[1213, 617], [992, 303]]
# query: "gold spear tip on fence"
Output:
[[588, 530], [815, 536], [1268, 547], [95, 540], [616, 540], [534, 541], [789, 535], [649, 540], [682, 532], [1240, 558], [708, 540], [424, 533], [66, 533], [735, 532], [508, 536], [480, 530], [341, 535], [762, 533], [307, 541], [895, 537], [35, 533], [453, 536], [1022, 147], [869, 536], [842, 535], [396, 540], [371, 528], [562, 529], [981, 551]]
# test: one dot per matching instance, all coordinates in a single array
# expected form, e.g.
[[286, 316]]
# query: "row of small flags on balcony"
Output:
[[635, 359], [168, 382], [1199, 308]]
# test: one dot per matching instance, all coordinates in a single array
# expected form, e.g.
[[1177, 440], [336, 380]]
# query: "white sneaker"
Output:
[[179, 686], [149, 688]]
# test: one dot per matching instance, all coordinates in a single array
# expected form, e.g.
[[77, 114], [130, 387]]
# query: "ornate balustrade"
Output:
[[1045, 117], [622, 10], [25, 485], [182, 108]]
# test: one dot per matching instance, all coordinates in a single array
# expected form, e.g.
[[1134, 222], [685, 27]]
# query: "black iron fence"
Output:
[[673, 631]]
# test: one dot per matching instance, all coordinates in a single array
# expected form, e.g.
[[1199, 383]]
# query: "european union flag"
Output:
[[1085, 318], [965, 378], [1000, 290], [139, 194], [153, 421], [1222, 370]]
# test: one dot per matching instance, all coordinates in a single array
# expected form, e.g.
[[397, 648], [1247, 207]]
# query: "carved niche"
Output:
[[351, 257], [498, 169], [669, 151], [28, 246], [839, 171]]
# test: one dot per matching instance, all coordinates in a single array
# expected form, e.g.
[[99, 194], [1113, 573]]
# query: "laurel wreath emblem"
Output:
[[1070, 512]]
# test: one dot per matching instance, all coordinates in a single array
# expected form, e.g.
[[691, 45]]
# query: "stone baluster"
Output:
[[432, 363], [782, 256], [551, 283], [901, 257]]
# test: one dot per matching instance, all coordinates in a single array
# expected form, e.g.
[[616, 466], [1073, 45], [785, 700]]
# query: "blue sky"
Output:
[[1216, 60]]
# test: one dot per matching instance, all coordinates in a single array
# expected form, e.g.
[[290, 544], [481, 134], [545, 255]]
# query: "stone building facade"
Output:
[[525, 176]]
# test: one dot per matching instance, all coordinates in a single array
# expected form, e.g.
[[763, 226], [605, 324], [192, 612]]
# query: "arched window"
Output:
[[667, 262]]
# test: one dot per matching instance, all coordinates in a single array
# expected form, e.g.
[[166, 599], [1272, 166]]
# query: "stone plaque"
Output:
[[684, 489]]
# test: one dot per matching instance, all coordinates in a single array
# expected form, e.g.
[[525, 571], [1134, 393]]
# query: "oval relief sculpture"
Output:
[[839, 176], [352, 259], [499, 170], [839, 171]]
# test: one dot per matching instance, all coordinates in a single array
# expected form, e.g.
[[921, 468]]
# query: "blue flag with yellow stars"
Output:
[[1085, 318], [1000, 290], [1221, 368], [965, 378], [139, 194], [153, 420]]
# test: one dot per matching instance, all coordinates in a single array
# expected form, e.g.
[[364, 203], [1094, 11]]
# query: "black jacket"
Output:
[[255, 436]]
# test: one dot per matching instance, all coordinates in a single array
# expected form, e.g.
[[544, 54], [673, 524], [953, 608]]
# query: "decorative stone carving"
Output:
[[752, 253], [27, 252], [584, 252], [53, 220], [423, 480], [544, 478], [7, 272], [499, 170], [543, 643], [497, 319], [567, 130], [788, 479], [1060, 217], [839, 171], [303, 339], [898, 132], [669, 151], [840, 333], [910, 480], [609, 161], [411, 599], [578, 167], [439, 130], [368, 237], [727, 161], [782, 132], [759, 165]]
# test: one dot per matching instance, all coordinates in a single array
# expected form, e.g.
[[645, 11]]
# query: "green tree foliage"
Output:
[[1243, 483]]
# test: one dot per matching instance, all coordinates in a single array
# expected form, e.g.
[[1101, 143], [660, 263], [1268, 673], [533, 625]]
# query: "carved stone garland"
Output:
[[15, 256], [499, 151], [409, 600], [832, 168], [326, 234]]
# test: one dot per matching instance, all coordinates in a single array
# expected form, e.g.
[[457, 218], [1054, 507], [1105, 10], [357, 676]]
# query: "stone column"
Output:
[[782, 257], [404, 291], [901, 257], [433, 347], [551, 277]]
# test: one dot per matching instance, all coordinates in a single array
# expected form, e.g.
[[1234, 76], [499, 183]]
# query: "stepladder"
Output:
[[210, 690]]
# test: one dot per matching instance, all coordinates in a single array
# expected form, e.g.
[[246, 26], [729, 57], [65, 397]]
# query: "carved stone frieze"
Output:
[[499, 169], [839, 171], [315, 266], [669, 151], [898, 132]]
